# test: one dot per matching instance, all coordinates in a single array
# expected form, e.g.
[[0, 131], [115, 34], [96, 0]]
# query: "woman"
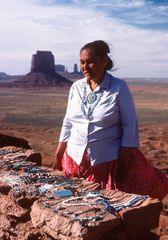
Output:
[[99, 136]]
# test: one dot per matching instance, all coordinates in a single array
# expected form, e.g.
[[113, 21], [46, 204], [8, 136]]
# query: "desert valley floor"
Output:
[[37, 114]]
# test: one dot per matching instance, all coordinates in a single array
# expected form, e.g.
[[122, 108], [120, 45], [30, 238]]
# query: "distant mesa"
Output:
[[60, 68], [73, 76], [4, 75], [7, 80], [43, 61], [42, 73], [75, 68]]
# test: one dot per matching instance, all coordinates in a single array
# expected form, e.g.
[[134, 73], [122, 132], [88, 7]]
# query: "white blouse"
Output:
[[103, 126]]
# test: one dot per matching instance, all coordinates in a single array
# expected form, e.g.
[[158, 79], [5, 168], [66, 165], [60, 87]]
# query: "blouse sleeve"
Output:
[[130, 135], [66, 126]]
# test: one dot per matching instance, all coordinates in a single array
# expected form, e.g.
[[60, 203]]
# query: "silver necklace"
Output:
[[89, 102], [91, 98]]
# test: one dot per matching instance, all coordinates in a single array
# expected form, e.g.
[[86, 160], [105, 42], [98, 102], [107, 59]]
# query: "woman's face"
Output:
[[92, 66]]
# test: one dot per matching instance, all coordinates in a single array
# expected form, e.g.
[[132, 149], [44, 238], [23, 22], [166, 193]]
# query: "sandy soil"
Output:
[[154, 141]]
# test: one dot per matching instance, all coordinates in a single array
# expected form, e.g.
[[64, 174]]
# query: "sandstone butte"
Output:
[[42, 73]]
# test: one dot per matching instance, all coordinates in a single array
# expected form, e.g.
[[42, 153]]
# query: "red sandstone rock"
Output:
[[10, 208], [42, 73], [10, 153], [5, 188], [63, 227], [32, 209], [142, 218], [6, 140]]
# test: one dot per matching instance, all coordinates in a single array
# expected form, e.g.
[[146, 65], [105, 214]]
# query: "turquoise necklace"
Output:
[[89, 102]]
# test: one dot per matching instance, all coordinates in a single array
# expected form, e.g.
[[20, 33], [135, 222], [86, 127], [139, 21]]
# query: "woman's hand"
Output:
[[125, 156], [58, 155]]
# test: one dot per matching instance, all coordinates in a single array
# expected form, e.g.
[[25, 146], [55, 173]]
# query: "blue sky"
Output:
[[137, 32]]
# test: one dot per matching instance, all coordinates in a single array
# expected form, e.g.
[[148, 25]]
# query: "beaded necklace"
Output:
[[90, 101]]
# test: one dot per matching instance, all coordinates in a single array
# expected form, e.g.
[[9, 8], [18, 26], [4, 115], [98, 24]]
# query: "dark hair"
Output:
[[101, 49]]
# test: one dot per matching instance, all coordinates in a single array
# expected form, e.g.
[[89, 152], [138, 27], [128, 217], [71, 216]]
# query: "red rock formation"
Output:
[[43, 61], [31, 206], [6, 140], [42, 73]]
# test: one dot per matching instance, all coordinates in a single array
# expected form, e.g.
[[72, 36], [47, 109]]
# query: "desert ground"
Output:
[[37, 114]]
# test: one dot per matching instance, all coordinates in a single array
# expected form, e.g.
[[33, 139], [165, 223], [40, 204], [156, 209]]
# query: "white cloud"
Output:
[[129, 4], [26, 28]]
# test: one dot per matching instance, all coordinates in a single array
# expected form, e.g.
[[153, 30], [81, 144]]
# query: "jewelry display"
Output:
[[72, 198], [131, 201], [31, 174], [77, 216]]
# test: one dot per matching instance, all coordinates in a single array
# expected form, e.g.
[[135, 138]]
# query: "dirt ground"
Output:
[[151, 102]]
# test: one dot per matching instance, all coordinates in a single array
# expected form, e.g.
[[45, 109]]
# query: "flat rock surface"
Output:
[[38, 202]]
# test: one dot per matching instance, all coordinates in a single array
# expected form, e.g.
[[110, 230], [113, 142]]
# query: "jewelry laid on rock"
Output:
[[89, 102], [59, 193], [78, 216], [112, 208], [130, 202]]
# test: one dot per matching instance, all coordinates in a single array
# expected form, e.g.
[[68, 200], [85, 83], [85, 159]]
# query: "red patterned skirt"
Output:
[[103, 173], [139, 177]]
